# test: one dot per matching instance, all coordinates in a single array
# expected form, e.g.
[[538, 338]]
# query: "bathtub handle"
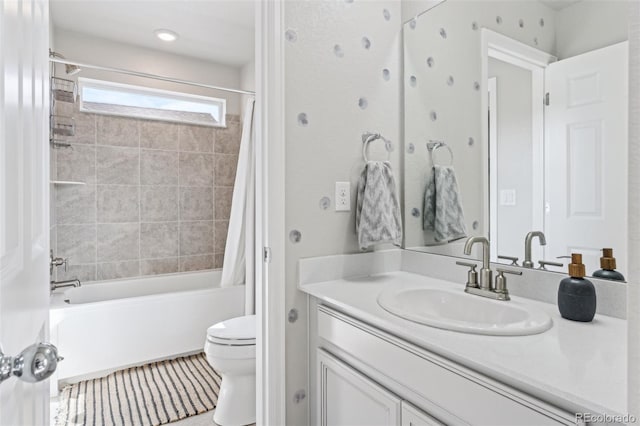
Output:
[[35, 364]]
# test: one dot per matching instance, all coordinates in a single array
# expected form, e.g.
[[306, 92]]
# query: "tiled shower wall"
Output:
[[157, 196]]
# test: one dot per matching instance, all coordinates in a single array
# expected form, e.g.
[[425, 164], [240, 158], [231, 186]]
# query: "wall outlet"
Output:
[[507, 197], [343, 196]]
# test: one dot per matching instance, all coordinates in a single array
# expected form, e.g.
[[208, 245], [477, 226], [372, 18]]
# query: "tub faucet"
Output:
[[485, 272], [527, 247], [64, 284]]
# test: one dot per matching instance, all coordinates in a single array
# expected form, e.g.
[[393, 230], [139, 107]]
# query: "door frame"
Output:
[[498, 46]]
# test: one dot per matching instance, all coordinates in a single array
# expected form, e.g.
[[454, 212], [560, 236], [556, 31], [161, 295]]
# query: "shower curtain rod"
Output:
[[145, 75]]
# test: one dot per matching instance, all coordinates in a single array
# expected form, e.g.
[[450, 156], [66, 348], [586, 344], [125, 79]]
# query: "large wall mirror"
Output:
[[516, 121]]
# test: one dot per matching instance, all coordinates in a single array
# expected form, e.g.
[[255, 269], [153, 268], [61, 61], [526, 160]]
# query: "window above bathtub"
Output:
[[105, 97]]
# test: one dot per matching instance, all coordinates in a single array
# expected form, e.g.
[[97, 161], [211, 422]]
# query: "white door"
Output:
[[586, 156], [24, 221]]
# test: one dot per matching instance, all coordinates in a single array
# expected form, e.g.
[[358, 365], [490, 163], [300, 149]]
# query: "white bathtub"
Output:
[[106, 325]]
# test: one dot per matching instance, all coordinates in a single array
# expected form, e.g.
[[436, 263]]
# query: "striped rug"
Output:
[[153, 394]]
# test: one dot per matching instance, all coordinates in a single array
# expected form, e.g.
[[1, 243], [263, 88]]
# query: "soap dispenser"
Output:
[[608, 265], [577, 295]]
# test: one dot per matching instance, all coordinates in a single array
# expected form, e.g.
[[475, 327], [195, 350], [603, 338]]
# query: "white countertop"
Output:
[[581, 367]]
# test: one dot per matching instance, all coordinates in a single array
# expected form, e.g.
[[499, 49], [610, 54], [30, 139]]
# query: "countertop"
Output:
[[580, 367]]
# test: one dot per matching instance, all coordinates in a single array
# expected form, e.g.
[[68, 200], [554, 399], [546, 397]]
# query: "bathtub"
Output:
[[107, 325]]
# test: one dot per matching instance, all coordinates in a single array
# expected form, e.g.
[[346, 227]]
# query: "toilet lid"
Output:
[[240, 331]]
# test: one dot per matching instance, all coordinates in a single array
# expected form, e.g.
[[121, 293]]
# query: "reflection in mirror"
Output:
[[527, 102]]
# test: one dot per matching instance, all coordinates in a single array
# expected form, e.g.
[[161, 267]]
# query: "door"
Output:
[[586, 155], [24, 191], [347, 398]]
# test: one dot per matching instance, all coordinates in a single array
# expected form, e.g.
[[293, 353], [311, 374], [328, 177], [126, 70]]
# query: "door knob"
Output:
[[35, 364]]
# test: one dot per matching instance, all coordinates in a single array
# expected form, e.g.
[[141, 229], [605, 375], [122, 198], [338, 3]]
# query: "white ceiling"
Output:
[[559, 4], [220, 31]]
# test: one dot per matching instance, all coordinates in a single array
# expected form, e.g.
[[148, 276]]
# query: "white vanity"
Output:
[[371, 367]]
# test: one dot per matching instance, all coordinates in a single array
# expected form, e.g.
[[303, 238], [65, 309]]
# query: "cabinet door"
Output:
[[411, 416], [348, 398]]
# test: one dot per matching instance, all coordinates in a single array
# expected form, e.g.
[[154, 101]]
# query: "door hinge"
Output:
[[266, 254], [546, 99]]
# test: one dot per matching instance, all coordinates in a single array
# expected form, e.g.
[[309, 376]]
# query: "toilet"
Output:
[[231, 351]]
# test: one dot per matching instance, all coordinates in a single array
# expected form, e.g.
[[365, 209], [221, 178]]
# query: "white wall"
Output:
[[327, 88], [97, 51], [589, 25]]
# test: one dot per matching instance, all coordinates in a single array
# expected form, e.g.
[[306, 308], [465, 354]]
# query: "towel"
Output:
[[442, 207], [377, 207]]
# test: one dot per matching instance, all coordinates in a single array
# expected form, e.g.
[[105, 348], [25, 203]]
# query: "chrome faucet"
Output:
[[527, 263], [64, 284], [485, 272]]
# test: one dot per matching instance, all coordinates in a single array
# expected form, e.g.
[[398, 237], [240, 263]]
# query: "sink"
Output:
[[459, 311]]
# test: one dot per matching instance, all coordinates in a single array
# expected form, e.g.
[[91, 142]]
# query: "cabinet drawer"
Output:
[[467, 395]]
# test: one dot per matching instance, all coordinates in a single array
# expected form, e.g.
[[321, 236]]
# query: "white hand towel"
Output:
[[378, 210], [442, 206]]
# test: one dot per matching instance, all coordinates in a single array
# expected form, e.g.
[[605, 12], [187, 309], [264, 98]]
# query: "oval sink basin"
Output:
[[463, 312]]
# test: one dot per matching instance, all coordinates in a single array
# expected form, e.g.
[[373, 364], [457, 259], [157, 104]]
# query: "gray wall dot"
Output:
[[295, 236], [366, 43], [475, 225], [303, 120], [541, 22], [535, 41], [388, 145], [498, 20], [291, 36], [430, 62], [413, 81], [363, 103], [476, 85], [299, 396], [450, 80], [412, 24], [325, 203], [433, 115], [521, 23], [386, 74], [337, 50], [293, 315], [443, 33], [470, 141], [386, 14], [474, 25], [415, 212], [411, 148]]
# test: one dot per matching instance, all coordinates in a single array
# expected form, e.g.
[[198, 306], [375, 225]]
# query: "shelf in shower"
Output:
[[66, 182]]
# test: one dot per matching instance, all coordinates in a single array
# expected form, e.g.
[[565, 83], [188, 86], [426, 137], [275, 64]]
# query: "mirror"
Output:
[[516, 121]]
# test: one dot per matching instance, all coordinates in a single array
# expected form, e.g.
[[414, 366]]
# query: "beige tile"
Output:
[[117, 165], [159, 135], [159, 266], [220, 232], [196, 138], [223, 196], [75, 204], [117, 131], [218, 260], [196, 169], [115, 270], [77, 163], [76, 243], [228, 139], [233, 118], [83, 273], [225, 169], [196, 238], [118, 242], [196, 203], [158, 240], [158, 203], [118, 203], [158, 167], [85, 124], [196, 263]]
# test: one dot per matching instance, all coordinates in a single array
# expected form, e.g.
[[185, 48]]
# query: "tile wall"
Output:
[[156, 199]]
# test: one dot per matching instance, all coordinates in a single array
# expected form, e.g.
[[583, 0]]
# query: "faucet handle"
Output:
[[472, 274], [501, 283], [544, 263], [514, 260]]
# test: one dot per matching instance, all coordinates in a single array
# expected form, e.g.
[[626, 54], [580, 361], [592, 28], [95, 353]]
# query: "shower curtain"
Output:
[[239, 254]]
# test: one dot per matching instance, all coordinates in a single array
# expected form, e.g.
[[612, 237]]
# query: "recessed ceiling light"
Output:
[[166, 35]]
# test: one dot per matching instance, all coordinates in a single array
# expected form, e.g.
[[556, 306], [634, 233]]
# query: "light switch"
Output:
[[507, 197], [343, 196]]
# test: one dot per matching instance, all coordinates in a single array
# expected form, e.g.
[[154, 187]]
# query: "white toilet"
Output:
[[231, 351]]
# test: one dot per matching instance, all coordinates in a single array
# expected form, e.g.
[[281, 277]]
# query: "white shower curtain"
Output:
[[239, 252]]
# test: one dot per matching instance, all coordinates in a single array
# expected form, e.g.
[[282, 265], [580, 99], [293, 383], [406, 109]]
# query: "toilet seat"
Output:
[[240, 331]]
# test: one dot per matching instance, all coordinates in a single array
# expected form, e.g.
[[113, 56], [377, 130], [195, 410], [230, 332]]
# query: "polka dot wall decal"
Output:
[[295, 236], [535, 41], [303, 120], [366, 43], [450, 80], [498, 20], [363, 103], [411, 148], [413, 81], [291, 36], [443, 33], [386, 14], [476, 85], [475, 225], [415, 212], [337, 50], [470, 141], [325, 203], [433, 116], [412, 24], [474, 25], [430, 62], [541, 22], [386, 74]]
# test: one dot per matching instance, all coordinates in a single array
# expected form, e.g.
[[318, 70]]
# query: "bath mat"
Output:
[[149, 395]]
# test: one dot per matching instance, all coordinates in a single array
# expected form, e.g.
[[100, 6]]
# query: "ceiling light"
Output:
[[166, 35]]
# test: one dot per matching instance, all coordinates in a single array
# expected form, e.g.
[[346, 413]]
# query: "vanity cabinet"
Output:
[[366, 376]]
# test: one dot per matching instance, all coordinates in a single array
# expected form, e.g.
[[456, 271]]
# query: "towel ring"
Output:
[[432, 145], [370, 137]]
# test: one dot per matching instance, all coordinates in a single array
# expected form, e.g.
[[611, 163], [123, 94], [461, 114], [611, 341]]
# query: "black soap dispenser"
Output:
[[577, 295], [608, 265]]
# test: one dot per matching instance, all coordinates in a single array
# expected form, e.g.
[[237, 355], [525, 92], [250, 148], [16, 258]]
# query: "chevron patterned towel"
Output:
[[442, 206], [378, 209]]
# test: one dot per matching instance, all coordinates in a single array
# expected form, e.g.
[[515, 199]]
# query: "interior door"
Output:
[[24, 191], [586, 155]]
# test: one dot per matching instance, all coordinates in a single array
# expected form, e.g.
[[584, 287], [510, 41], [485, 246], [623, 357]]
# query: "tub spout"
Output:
[[64, 284]]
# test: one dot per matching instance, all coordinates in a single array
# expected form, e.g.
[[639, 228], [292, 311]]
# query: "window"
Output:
[[103, 97]]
